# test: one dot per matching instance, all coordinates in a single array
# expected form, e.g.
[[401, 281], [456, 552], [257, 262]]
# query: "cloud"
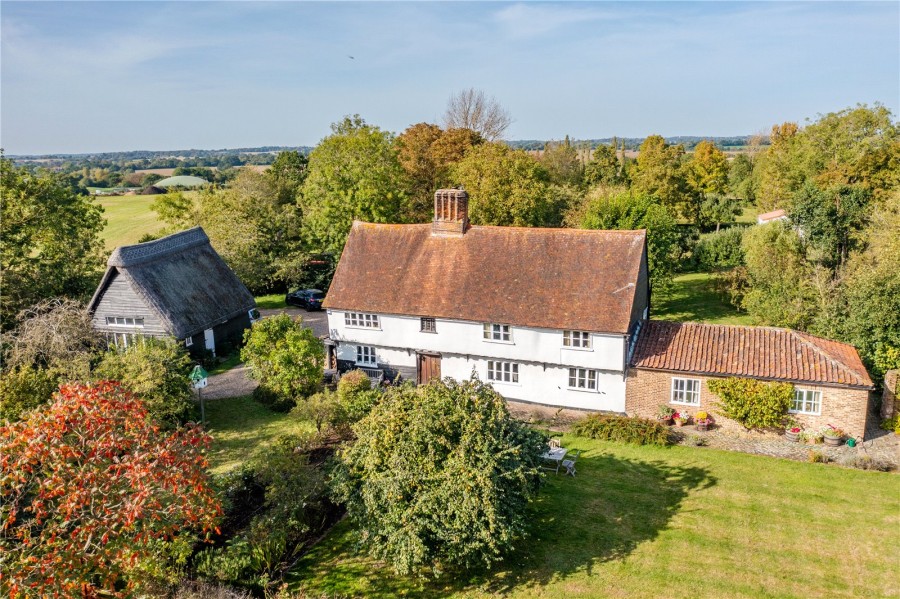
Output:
[[522, 21]]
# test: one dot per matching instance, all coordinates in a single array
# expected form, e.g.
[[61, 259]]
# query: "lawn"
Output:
[[241, 427], [272, 301], [668, 522], [693, 298], [128, 218]]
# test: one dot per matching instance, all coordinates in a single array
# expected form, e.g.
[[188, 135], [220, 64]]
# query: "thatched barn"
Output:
[[176, 286]]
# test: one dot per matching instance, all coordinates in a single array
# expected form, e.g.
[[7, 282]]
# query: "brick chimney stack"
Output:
[[451, 212]]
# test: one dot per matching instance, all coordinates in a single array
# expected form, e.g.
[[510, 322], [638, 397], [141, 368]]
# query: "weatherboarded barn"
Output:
[[177, 286], [673, 362]]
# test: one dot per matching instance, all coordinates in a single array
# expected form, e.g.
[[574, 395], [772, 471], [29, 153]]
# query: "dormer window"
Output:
[[577, 339], [497, 332]]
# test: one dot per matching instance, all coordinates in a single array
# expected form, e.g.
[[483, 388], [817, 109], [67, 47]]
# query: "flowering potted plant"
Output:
[[681, 417], [833, 436], [792, 430], [702, 420], [664, 414]]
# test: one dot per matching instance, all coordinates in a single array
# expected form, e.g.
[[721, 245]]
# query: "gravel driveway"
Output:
[[236, 382]]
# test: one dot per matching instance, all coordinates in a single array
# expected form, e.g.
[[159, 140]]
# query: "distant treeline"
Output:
[[633, 143]]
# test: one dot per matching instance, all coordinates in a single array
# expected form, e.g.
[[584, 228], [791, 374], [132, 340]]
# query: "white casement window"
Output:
[[122, 340], [119, 321], [686, 391], [806, 401], [497, 332], [429, 325], [503, 372], [365, 321], [583, 378], [188, 341], [365, 355], [580, 339]]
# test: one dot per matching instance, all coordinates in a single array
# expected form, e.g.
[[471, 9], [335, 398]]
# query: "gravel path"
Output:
[[881, 445]]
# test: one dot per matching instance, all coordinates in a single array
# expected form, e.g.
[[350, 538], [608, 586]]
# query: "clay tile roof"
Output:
[[547, 278], [755, 352], [767, 216]]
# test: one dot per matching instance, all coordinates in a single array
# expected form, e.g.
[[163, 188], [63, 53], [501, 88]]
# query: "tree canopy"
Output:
[[439, 475], [51, 241], [90, 488], [505, 187], [354, 173], [618, 208]]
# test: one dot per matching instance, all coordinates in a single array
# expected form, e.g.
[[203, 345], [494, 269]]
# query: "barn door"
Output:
[[429, 368]]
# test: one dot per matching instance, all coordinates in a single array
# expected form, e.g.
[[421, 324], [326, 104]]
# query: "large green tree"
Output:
[[284, 356], [617, 208], [659, 172], [604, 167], [354, 173], [506, 187], [560, 159], [439, 475], [831, 220], [51, 244], [782, 290]]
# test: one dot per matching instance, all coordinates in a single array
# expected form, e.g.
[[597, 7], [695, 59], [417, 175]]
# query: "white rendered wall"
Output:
[[543, 361], [465, 338]]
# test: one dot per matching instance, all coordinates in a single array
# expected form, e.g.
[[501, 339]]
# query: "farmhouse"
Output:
[[558, 317], [177, 286], [545, 315], [672, 363]]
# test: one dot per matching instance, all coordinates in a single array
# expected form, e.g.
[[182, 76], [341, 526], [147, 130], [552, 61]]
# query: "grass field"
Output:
[[693, 298], [127, 219], [272, 301], [668, 522], [240, 427]]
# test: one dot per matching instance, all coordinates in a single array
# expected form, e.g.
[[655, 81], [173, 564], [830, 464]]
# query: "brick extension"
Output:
[[700, 351]]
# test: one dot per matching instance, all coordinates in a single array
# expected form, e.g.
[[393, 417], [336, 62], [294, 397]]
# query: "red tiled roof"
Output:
[[756, 352], [549, 278], [766, 216]]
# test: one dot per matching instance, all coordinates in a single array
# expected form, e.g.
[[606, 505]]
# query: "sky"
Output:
[[81, 77]]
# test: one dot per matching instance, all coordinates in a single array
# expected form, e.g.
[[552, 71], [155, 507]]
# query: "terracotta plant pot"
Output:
[[703, 426], [792, 437], [834, 441], [665, 421], [679, 422]]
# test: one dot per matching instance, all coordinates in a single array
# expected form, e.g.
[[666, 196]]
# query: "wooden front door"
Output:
[[429, 368]]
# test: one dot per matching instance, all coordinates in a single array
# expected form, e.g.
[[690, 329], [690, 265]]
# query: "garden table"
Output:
[[554, 454]]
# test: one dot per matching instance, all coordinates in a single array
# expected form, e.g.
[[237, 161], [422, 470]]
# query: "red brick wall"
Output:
[[645, 390]]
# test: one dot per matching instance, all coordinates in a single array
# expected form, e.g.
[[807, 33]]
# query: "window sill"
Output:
[[505, 383], [685, 403], [351, 326], [429, 332], [365, 365], [799, 413], [566, 347], [582, 390], [499, 341]]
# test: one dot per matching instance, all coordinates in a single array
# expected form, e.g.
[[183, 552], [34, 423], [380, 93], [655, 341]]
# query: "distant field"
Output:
[[127, 219]]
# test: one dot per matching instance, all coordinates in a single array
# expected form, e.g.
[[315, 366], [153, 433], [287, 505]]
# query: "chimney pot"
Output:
[[451, 212]]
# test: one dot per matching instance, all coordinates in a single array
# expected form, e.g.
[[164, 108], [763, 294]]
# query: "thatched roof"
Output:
[[183, 279]]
